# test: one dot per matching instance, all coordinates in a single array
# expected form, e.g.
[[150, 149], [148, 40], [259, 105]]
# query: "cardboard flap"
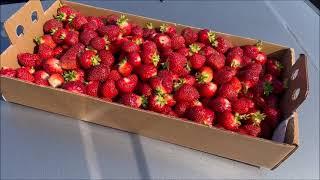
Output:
[[298, 87]]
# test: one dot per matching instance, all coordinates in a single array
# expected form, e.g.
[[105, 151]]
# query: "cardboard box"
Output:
[[254, 151]]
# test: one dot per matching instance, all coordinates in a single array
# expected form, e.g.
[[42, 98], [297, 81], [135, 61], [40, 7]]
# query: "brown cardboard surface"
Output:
[[254, 151]]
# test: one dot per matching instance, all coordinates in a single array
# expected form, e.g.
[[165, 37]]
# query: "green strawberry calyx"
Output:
[[70, 75], [144, 101], [201, 77], [149, 25], [194, 48], [155, 59], [257, 117], [123, 20], [53, 30], [259, 45], [163, 28], [238, 118], [61, 17], [267, 88], [279, 65], [95, 60], [161, 100], [178, 83], [38, 40]]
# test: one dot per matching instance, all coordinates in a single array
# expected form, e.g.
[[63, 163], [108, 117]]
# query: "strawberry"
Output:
[[149, 46], [272, 116], [95, 20], [183, 51], [51, 26], [262, 89], [41, 75], [134, 59], [278, 86], [106, 57], [88, 59], [197, 61], [69, 59], [74, 75], [207, 51], [45, 52], [45, 39], [72, 38], [177, 63], [250, 75], [157, 103], [229, 121], [156, 84], [235, 51], [221, 44], [207, 89], [252, 130], [162, 41], [216, 61], [146, 71], [204, 75], [59, 35], [274, 67], [57, 52], [130, 47], [64, 13], [124, 25], [169, 99], [127, 84], [137, 31], [186, 93], [252, 51], [124, 67], [28, 60], [52, 66], [220, 104], [148, 31], [255, 117], [108, 89], [189, 35], [177, 42], [24, 74], [272, 101], [137, 40], [205, 36], [55, 80], [92, 88], [261, 58], [133, 100], [8, 72], [170, 30], [144, 89], [98, 73], [194, 48], [86, 36], [246, 61], [201, 115], [111, 19], [114, 75], [110, 32], [78, 22], [75, 87], [150, 57], [228, 91], [188, 79], [242, 105], [234, 61], [181, 108], [267, 78]]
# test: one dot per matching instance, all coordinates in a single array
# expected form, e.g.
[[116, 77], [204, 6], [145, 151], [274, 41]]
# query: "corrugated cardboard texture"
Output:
[[254, 151]]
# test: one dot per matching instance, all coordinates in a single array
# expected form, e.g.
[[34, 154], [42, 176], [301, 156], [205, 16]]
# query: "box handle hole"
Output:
[[20, 30], [295, 94], [295, 74], [34, 17]]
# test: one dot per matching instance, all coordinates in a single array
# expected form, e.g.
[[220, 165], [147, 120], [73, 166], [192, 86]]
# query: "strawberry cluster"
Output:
[[197, 76]]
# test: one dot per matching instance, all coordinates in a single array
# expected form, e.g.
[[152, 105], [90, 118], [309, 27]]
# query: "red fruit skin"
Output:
[[52, 66], [86, 59], [242, 105], [149, 33], [201, 115], [224, 75], [44, 51], [216, 61], [261, 58], [220, 104], [207, 90], [111, 32], [177, 63], [177, 42], [162, 41], [149, 46], [111, 19], [27, 59], [98, 43], [8, 72], [228, 91], [146, 71], [131, 100], [69, 59], [24, 74], [278, 86], [227, 120], [246, 61], [78, 22], [92, 88], [137, 31], [144, 89], [234, 61], [156, 103], [127, 84], [130, 47], [223, 45], [51, 26], [86, 36], [134, 59], [272, 116], [150, 57], [72, 38], [75, 87], [56, 80], [41, 82], [64, 13], [74, 75], [57, 52], [197, 61], [106, 58], [252, 130], [250, 51], [273, 67], [108, 89], [203, 36], [181, 108], [272, 101], [207, 51], [235, 51], [183, 51], [186, 93], [59, 35], [41, 75], [47, 40], [125, 68], [250, 74], [189, 35], [114, 75], [98, 73]]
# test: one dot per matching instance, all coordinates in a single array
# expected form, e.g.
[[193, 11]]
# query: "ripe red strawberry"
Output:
[[204, 75], [149, 46], [246, 61], [24, 74], [169, 99], [74, 75], [90, 25], [188, 79], [216, 60], [45, 52], [72, 38], [177, 42], [108, 89], [137, 31], [252, 51], [137, 39], [278, 86], [59, 35], [186, 93], [168, 29], [134, 59], [133, 100], [177, 63], [86, 36], [252, 130], [124, 25], [261, 58], [205, 36], [78, 22], [156, 84], [234, 61], [57, 52], [130, 47], [162, 41], [262, 89], [242, 105], [28, 60], [250, 75], [235, 51], [146, 71], [47, 40], [52, 66], [8, 72], [272, 101], [150, 57], [98, 73], [75, 87], [51, 26], [92, 88], [127, 84], [221, 44], [229, 121], [41, 75], [207, 89], [197, 61], [207, 51], [228, 90], [267, 78], [194, 48], [69, 59], [148, 31], [183, 51], [95, 20], [64, 13], [111, 32], [157, 103], [201, 115], [111, 19], [220, 104], [144, 89], [181, 108], [189, 35], [255, 117], [88, 59], [56, 80], [124, 67], [274, 67], [106, 58], [272, 116]]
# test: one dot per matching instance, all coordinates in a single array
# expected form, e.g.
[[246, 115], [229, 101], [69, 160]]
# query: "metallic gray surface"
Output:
[[37, 144]]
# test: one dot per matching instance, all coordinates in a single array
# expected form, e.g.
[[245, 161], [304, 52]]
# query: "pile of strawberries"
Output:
[[195, 76]]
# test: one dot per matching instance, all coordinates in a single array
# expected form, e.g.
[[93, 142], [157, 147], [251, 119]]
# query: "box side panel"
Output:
[[254, 151]]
